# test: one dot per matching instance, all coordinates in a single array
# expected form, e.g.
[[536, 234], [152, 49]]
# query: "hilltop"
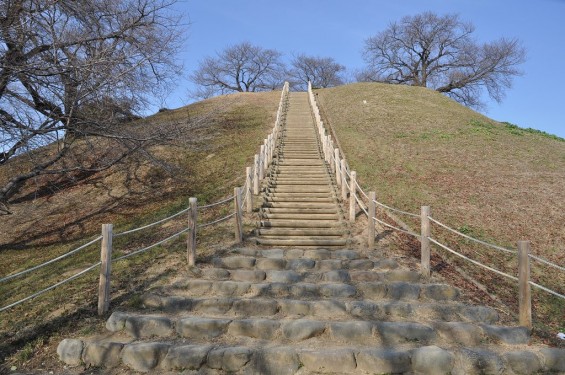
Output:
[[411, 145]]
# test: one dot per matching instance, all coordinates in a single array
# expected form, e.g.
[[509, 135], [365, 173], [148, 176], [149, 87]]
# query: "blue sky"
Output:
[[338, 29]]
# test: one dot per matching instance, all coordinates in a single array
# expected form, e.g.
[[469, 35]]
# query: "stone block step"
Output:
[[357, 269], [322, 308], [296, 285], [287, 360], [313, 254], [318, 332]]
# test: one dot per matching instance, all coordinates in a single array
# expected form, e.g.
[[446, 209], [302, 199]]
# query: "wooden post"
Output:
[[332, 154], [261, 162], [425, 212], [256, 180], [271, 147], [371, 223], [265, 157], [191, 240], [248, 197], [524, 290], [238, 218], [105, 269], [352, 194], [336, 168], [343, 180]]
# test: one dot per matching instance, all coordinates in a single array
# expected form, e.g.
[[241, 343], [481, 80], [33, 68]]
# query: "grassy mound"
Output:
[[217, 140], [491, 180]]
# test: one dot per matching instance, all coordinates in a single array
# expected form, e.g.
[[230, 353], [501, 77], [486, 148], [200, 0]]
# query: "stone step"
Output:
[[287, 360], [317, 332], [329, 308], [296, 285], [300, 241], [314, 254]]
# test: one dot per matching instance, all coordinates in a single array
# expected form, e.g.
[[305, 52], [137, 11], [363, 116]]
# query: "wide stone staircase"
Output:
[[307, 311], [326, 308], [300, 205]]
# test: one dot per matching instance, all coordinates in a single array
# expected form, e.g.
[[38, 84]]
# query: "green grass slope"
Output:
[[216, 140], [494, 181]]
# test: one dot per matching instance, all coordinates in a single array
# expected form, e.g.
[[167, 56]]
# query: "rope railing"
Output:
[[472, 260], [10, 277], [547, 262], [37, 294], [547, 290], [395, 209], [262, 162], [217, 220], [350, 187], [215, 204], [151, 225], [144, 249], [396, 228], [471, 238]]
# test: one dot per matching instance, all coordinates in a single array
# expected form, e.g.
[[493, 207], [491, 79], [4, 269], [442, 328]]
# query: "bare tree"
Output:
[[439, 52], [239, 68], [71, 72], [321, 71]]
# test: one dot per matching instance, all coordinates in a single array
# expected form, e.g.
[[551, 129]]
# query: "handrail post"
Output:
[[343, 180], [425, 213], [238, 218], [256, 175], [105, 269], [352, 195], [370, 222], [336, 168], [524, 290], [271, 147], [261, 162], [248, 196], [191, 240]]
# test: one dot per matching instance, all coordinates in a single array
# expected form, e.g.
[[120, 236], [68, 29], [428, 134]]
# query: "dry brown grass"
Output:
[[415, 147], [218, 139]]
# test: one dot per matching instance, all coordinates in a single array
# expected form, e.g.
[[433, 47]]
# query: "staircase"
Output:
[[300, 205], [319, 309], [308, 311]]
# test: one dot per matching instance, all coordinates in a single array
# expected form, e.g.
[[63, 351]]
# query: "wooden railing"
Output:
[[242, 201], [352, 195]]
